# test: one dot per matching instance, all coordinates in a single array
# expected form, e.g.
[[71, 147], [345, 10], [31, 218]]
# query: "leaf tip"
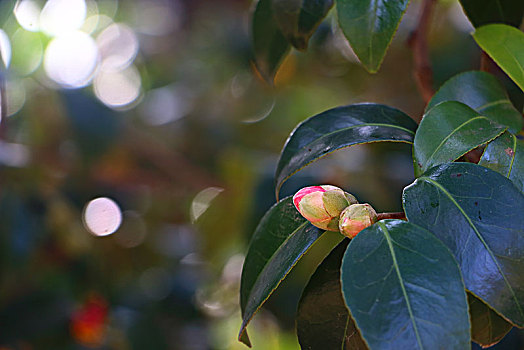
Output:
[[299, 43], [243, 337], [371, 69], [261, 75]]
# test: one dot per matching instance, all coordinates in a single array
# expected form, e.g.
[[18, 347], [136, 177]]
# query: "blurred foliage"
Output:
[[169, 277]]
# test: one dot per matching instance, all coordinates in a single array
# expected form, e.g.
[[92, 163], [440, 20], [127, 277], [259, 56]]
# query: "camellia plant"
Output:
[[447, 270]]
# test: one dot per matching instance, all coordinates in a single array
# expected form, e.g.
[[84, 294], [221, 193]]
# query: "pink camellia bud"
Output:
[[322, 205], [355, 218]]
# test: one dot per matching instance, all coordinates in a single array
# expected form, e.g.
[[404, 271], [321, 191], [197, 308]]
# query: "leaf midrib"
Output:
[[352, 127], [399, 275], [494, 103], [441, 188], [513, 156], [510, 53], [372, 24], [430, 158]]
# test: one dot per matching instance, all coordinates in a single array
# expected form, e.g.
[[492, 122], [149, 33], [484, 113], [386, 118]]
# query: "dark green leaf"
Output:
[[323, 321], [404, 289], [369, 26], [448, 131], [282, 237], [487, 327], [505, 155], [298, 19], [269, 44], [279, 222], [338, 128], [482, 92], [482, 12], [504, 45], [477, 213]]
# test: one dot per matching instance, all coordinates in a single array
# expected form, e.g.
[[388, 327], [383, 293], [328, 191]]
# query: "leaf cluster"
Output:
[[452, 272]]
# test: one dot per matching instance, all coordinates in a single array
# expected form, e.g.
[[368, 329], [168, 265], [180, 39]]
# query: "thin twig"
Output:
[[400, 215], [486, 64], [419, 44]]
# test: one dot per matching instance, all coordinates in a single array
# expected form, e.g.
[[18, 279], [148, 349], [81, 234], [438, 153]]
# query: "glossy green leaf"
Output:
[[448, 131], [487, 327], [281, 238], [481, 12], [298, 19], [505, 155], [323, 321], [404, 289], [369, 26], [477, 213], [482, 92], [269, 44], [504, 45], [339, 128]]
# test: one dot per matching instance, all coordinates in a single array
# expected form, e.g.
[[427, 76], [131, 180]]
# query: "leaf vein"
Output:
[[480, 237], [399, 275], [449, 136]]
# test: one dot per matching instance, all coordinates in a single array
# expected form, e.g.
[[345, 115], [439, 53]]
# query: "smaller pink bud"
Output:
[[355, 218], [322, 205]]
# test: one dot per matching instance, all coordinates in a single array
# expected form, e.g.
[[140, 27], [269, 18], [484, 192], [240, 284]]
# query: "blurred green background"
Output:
[[152, 108]]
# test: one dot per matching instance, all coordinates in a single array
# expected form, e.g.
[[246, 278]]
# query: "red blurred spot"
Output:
[[88, 323]]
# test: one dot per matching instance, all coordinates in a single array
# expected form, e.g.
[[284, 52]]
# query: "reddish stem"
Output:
[[418, 43], [400, 215]]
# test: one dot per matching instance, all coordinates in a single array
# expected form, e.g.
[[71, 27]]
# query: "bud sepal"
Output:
[[322, 205], [355, 218]]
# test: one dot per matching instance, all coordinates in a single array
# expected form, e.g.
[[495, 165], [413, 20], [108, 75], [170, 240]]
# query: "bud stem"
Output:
[[400, 215]]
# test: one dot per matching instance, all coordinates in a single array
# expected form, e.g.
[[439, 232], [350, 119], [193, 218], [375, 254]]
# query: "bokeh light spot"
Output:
[[202, 201], [14, 154], [166, 104], [15, 96], [118, 46], [118, 89], [96, 23], [157, 17], [27, 13], [102, 216], [88, 323], [70, 60], [27, 52], [5, 48], [62, 16]]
